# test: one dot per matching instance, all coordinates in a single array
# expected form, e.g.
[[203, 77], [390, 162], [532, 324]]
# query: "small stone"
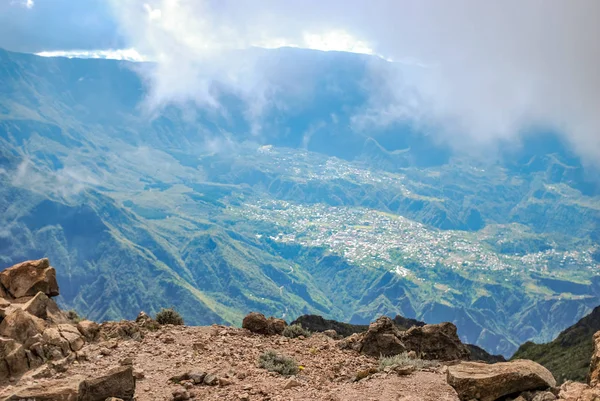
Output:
[[126, 362], [411, 355], [224, 382], [544, 396], [244, 397], [404, 370], [291, 384], [197, 377], [180, 395], [211, 380], [138, 374], [105, 352], [168, 340]]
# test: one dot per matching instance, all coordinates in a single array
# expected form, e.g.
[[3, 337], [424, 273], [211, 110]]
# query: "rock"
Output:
[[211, 380], [474, 380], [197, 377], [291, 384], [17, 361], [118, 382], [20, 325], [62, 365], [114, 399], [145, 321], [258, 323], [574, 391], [594, 375], [331, 334], [180, 395], [382, 338], [126, 362], [276, 326], [411, 355], [432, 341], [353, 342], [90, 330], [404, 370], [62, 390], [435, 342], [138, 374], [44, 308], [124, 329], [28, 278], [544, 396], [224, 382], [72, 335], [54, 344]]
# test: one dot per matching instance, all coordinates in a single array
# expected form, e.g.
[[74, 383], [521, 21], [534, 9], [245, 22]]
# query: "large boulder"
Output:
[[45, 308], [258, 323], [20, 325], [57, 390], [28, 278], [435, 342], [490, 382], [382, 338], [119, 383]]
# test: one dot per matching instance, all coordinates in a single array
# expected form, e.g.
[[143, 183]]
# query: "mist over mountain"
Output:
[[296, 204]]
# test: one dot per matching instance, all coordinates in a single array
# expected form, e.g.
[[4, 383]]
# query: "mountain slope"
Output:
[[567, 356], [191, 208]]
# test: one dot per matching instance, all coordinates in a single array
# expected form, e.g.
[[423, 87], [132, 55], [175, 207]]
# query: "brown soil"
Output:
[[232, 355]]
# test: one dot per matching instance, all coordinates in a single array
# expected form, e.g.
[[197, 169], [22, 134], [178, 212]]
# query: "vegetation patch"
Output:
[[169, 316], [403, 360], [274, 362], [295, 330]]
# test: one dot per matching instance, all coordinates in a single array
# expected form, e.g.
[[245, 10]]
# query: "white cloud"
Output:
[[66, 182], [492, 70], [116, 54], [29, 4]]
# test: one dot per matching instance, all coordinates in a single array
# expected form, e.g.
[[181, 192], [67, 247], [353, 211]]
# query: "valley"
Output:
[[217, 222]]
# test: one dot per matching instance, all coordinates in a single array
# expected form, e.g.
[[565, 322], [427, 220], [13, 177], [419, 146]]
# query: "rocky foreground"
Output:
[[46, 355]]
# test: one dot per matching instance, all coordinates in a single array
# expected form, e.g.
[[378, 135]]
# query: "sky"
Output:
[[491, 70]]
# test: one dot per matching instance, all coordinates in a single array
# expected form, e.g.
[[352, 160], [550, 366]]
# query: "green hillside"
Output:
[[568, 356], [187, 208]]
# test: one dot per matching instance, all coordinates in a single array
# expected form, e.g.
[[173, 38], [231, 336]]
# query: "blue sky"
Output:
[[492, 68], [38, 25]]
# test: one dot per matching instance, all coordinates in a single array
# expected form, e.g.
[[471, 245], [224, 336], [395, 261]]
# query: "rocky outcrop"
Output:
[[33, 329], [432, 341], [382, 338], [118, 383], [436, 342], [28, 278], [258, 323], [573, 391], [490, 382]]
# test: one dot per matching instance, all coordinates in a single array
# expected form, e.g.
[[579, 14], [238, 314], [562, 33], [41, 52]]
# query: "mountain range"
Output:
[[189, 207]]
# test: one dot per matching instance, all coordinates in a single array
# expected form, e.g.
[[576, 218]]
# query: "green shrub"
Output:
[[73, 316], [295, 330], [404, 360], [169, 316], [281, 364]]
